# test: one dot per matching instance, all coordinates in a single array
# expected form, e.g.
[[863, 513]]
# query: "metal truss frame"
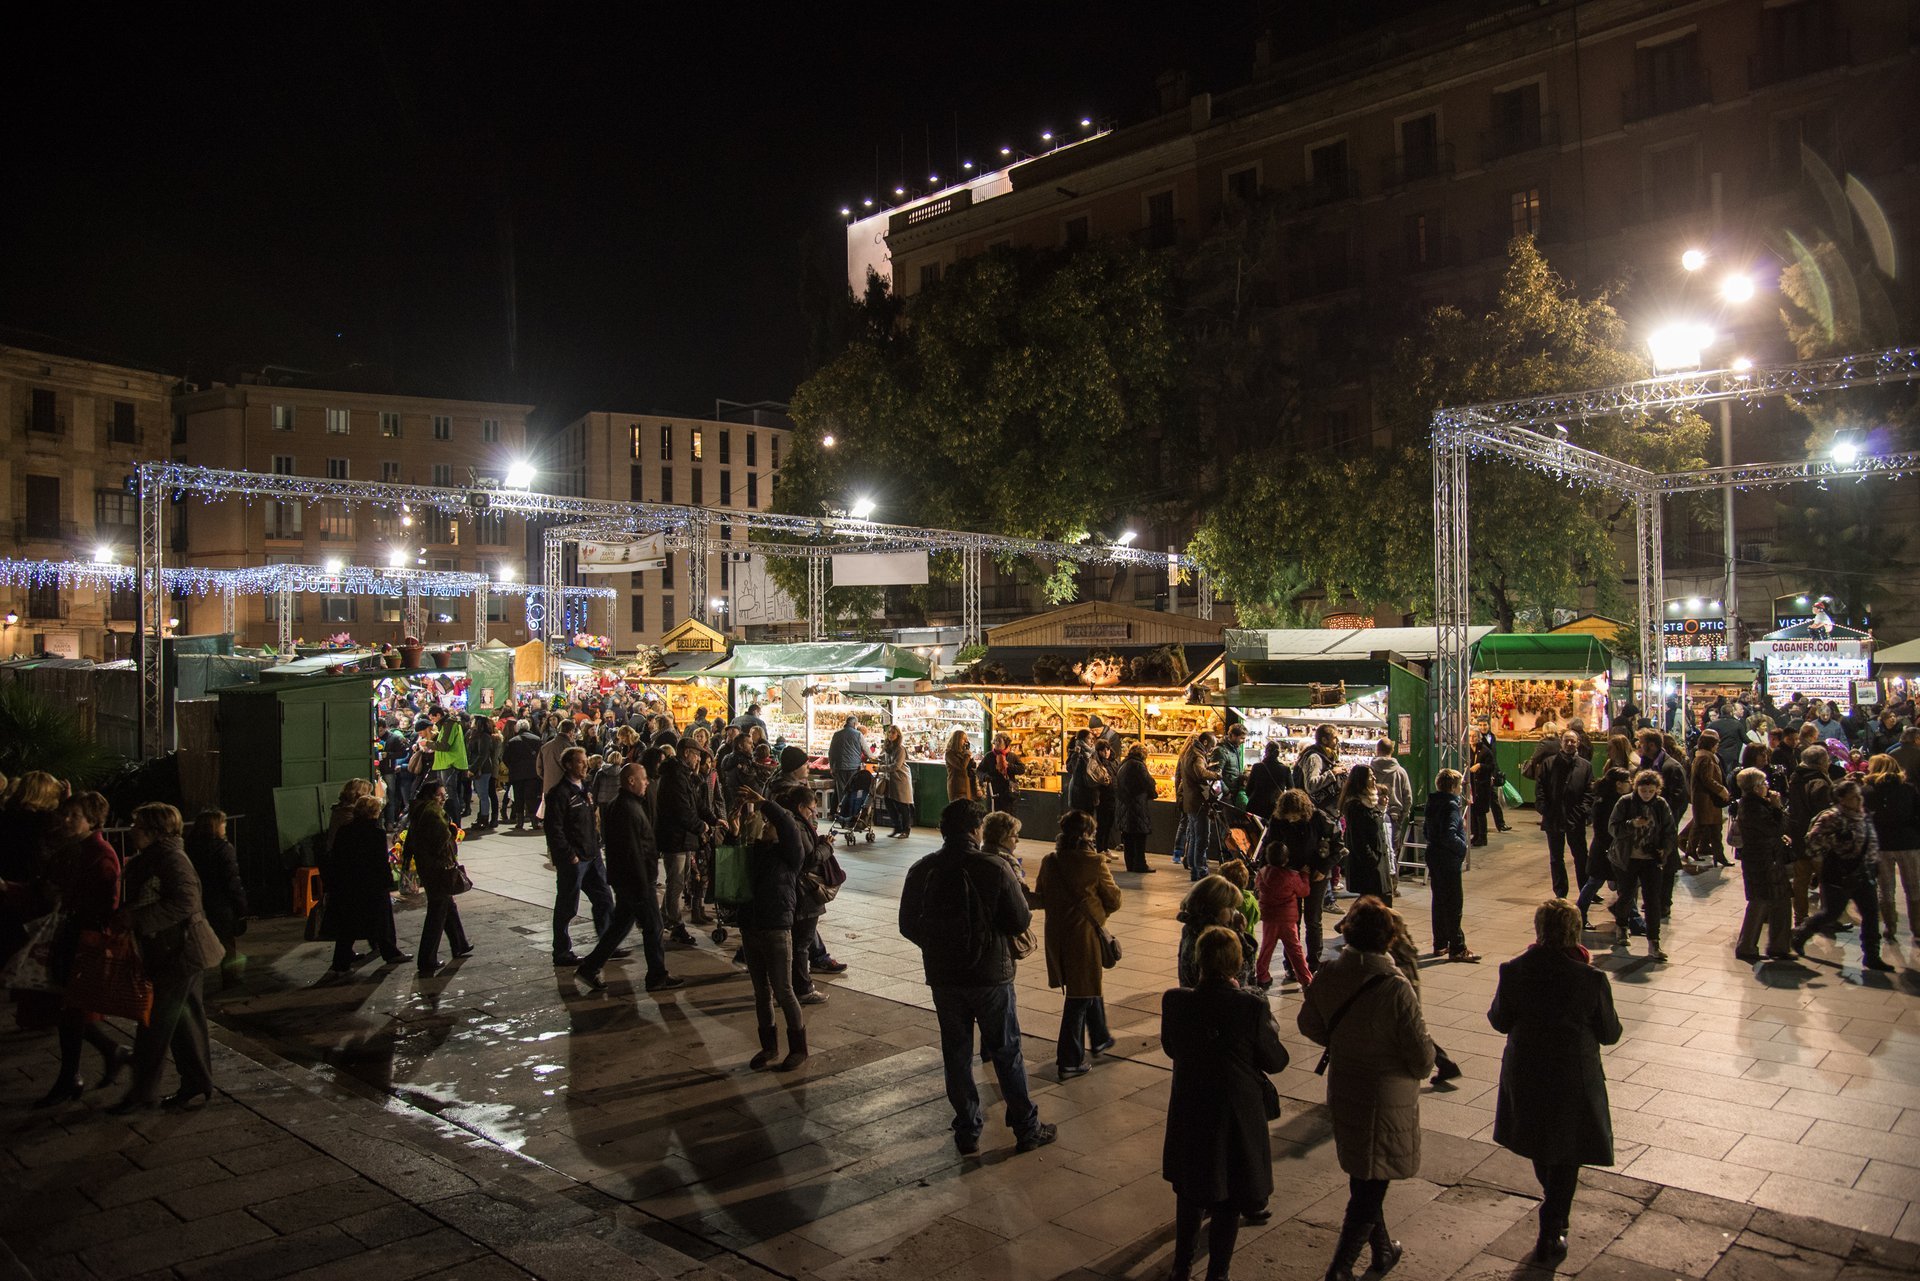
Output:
[[1512, 430]]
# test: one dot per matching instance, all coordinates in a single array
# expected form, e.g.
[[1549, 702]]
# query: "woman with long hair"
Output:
[[223, 895], [961, 783], [897, 777], [1369, 869], [1895, 807], [483, 759], [1134, 788], [1076, 891], [766, 922], [1766, 856]]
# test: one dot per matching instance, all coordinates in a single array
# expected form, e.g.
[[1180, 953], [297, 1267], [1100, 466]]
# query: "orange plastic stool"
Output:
[[306, 889]]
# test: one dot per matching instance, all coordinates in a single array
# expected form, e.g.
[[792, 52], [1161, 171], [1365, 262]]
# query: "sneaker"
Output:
[[1104, 1046], [1038, 1137], [591, 979], [665, 983], [568, 959], [828, 966], [1748, 957], [815, 997], [1068, 1073], [1655, 955], [681, 936]]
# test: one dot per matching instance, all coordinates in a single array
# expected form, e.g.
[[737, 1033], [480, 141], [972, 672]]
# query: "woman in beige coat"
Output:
[[961, 783], [1076, 891], [898, 778], [1368, 1016]]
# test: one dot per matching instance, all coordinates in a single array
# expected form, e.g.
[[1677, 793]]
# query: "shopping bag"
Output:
[[732, 882], [31, 969], [107, 978], [1510, 794], [459, 881]]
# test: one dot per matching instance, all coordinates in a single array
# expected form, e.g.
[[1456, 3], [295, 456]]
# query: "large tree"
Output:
[[1025, 394], [1357, 523]]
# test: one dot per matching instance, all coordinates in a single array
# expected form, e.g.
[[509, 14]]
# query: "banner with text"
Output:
[[623, 558], [879, 569]]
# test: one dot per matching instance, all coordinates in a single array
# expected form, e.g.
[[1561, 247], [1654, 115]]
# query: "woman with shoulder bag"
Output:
[[82, 879], [1000, 835], [431, 846], [359, 883], [223, 893], [1368, 1016], [1101, 774], [814, 886], [1369, 870], [1076, 891], [161, 900], [1218, 1156], [1758, 834]]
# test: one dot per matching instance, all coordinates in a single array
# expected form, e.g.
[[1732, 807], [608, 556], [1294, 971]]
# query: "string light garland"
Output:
[[264, 580]]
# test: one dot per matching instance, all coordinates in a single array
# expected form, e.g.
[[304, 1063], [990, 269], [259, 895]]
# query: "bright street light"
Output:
[[396, 558], [716, 603], [862, 508], [1678, 346], [520, 474], [1737, 288], [1845, 452], [1741, 364], [103, 554], [1694, 259], [1126, 538], [334, 564], [508, 574], [826, 441]]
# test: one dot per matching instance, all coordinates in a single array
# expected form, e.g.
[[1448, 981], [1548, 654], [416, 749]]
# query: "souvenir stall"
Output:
[[805, 690], [1286, 685], [1154, 678], [675, 673], [1527, 684], [1898, 669], [1820, 659]]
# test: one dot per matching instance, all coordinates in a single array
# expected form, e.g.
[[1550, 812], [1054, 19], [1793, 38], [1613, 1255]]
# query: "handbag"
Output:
[[1270, 1097], [1109, 945], [31, 969], [458, 880], [1732, 836], [732, 879], [107, 978], [1320, 1068]]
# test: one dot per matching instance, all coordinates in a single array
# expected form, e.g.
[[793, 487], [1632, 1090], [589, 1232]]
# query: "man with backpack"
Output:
[[1321, 776], [964, 906]]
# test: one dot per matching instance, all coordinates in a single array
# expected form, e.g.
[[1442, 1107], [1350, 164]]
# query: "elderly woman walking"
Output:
[[1217, 1155], [1368, 1016], [1076, 891], [1556, 1011], [1766, 867]]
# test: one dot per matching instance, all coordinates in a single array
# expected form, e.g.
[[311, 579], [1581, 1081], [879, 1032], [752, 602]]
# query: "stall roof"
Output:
[[1097, 624], [1019, 661], [1905, 654], [820, 658], [1417, 643], [1540, 655]]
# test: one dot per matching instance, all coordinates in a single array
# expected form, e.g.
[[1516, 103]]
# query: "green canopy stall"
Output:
[[1525, 685]]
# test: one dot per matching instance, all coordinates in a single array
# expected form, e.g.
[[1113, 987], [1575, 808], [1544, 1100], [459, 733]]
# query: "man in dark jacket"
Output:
[[521, 755], [681, 814], [1676, 782], [573, 843], [1565, 780], [1731, 726], [963, 907], [1269, 777], [628, 825], [1809, 790]]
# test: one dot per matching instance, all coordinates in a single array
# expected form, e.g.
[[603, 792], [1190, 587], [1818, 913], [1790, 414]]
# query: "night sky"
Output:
[[331, 188]]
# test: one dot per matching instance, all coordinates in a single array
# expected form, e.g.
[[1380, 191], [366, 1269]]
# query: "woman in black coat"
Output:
[[1217, 1156], [358, 881], [223, 896], [1105, 804], [1133, 792], [1556, 1011]]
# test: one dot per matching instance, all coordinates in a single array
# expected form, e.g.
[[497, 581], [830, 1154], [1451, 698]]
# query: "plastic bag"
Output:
[[1510, 794]]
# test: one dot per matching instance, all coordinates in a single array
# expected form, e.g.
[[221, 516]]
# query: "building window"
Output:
[[489, 429], [1515, 123], [773, 452], [1811, 129], [1244, 184], [389, 473], [633, 441], [697, 436], [752, 451], [41, 415], [336, 469], [336, 609], [336, 521], [1523, 209], [1160, 224], [666, 571], [43, 507], [390, 609], [636, 489], [442, 427], [443, 475], [666, 484], [435, 527], [389, 424], [43, 601], [753, 489], [666, 608], [490, 529], [1672, 180], [726, 445], [1666, 77], [338, 422], [666, 442], [1327, 171], [1075, 231], [496, 607], [929, 275], [285, 520], [125, 430], [637, 613], [1422, 242], [114, 509], [123, 604], [283, 417], [1420, 146], [699, 495], [726, 489]]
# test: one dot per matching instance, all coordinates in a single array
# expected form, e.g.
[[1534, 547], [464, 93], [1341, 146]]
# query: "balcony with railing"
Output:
[[42, 423], [1519, 136], [1321, 191], [1416, 164], [927, 211], [1659, 96], [1824, 48], [33, 529]]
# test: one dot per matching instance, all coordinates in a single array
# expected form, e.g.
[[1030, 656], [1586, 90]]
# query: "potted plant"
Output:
[[410, 651]]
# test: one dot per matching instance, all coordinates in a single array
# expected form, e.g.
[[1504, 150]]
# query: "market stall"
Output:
[[1898, 671], [1822, 660], [1149, 676], [1526, 684], [675, 673], [805, 690], [1699, 685]]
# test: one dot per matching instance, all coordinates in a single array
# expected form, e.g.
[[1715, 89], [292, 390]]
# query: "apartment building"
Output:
[[75, 429], [1398, 165], [724, 463], [356, 436]]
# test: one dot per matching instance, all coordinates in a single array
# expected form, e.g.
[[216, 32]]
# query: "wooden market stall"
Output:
[[1524, 684], [1151, 676], [676, 673], [806, 689], [1898, 671], [1821, 659]]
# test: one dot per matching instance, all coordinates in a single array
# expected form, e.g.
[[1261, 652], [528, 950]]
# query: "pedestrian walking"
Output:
[[1894, 806], [1366, 1014], [573, 844], [964, 908], [1193, 785], [450, 762], [1566, 779], [1134, 789], [1446, 837], [160, 901], [357, 878], [1645, 850], [483, 764], [1286, 859], [815, 885], [1809, 794], [1843, 839], [1765, 851], [1556, 1011], [846, 756], [1217, 1154], [435, 852], [766, 925], [1396, 797], [1076, 891], [631, 856], [1615, 783], [682, 812], [521, 755], [1105, 805], [1708, 795], [223, 895]]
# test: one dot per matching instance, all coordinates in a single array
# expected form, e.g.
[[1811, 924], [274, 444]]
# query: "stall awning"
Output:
[[1417, 643], [1905, 654], [1540, 656], [1019, 660], [1706, 673], [820, 658]]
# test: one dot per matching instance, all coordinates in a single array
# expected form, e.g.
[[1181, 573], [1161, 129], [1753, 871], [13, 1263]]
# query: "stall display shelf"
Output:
[[927, 722], [1042, 724], [1521, 709]]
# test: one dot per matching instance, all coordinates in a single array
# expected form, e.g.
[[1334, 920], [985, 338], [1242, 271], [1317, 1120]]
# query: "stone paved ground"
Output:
[[1767, 1122]]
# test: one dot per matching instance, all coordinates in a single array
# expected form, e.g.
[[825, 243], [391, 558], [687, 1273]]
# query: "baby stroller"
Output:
[[854, 813]]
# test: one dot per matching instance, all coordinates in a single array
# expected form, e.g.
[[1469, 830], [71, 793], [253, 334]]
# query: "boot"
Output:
[[1345, 1252], [769, 1046], [796, 1050], [1386, 1250]]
